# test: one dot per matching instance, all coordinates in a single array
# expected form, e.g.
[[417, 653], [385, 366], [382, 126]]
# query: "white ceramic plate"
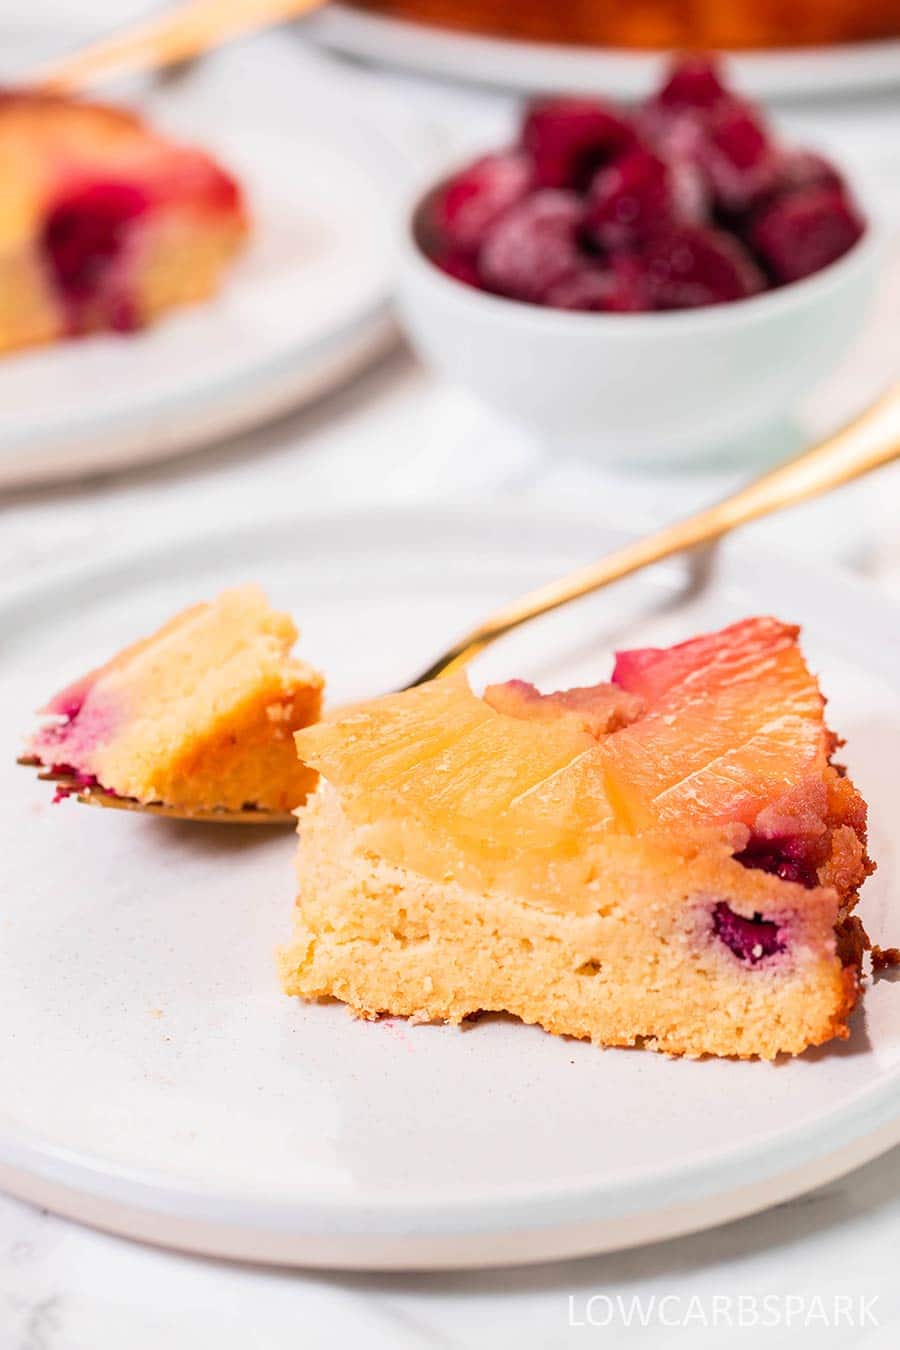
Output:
[[156, 1082], [533, 65], [305, 307]]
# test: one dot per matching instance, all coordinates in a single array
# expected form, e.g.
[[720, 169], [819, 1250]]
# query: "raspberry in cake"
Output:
[[670, 859], [104, 224], [199, 716]]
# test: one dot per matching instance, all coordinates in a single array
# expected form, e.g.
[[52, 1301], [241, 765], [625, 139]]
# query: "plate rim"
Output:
[[874, 1111], [291, 380], [791, 73]]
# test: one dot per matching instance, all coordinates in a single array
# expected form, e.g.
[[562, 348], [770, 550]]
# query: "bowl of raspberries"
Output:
[[668, 277]]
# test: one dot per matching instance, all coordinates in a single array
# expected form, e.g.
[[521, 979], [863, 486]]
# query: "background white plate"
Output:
[[544, 66], [156, 1081], [304, 308]]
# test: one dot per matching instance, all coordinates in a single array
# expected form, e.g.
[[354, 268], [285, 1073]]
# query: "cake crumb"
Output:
[[885, 958]]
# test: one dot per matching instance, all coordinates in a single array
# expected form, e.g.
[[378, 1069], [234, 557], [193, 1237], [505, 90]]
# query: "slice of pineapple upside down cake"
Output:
[[670, 859]]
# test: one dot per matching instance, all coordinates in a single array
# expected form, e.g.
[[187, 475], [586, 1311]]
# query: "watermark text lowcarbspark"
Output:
[[723, 1310]]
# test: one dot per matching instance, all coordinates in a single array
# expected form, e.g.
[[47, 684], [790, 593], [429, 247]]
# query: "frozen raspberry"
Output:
[[802, 168], [612, 288], [694, 265], [686, 202], [84, 234], [750, 939], [458, 263], [689, 266], [795, 169], [464, 210], [673, 120], [737, 156], [629, 199], [693, 83], [804, 231], [570, 138], [691, 196], [534, 246]]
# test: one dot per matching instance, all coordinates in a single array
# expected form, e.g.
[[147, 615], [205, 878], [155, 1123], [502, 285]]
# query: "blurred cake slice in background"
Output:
[[104, 225], [199, 716]]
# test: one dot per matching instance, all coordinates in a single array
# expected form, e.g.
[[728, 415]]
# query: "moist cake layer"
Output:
[[200, 715], [671, 951]]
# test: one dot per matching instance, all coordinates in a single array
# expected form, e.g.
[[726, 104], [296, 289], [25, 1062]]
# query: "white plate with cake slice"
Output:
[[160, 1084], [304, 307]]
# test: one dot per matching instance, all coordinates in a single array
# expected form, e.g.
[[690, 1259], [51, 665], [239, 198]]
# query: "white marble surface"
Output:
[[399, 436]]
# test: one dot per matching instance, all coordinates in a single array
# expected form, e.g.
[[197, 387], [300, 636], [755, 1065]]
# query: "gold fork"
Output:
[[866, 443], [188, 30], [71, 786], [871, 440]]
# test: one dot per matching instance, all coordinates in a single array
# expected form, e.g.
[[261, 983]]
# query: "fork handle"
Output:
[[864, 444], [187, 30]]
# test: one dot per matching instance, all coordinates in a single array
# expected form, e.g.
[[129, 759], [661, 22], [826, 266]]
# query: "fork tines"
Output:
[[90, 795]]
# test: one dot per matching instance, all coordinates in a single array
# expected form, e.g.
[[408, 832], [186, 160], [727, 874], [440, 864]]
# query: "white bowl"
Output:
[[617, 386]]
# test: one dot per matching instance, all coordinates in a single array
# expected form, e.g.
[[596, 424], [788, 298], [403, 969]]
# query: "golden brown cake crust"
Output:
[[657, 23]]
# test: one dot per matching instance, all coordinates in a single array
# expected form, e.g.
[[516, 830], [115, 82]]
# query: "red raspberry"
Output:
[[462, 213], [804, 231], [737, 156], [803, 168], [629, 199], [672, 121], [534, 246], [750, 939], [461, 265], [689, 266], [609, 289], [85, 232], [693, 82], [570, 138], [691, 197]]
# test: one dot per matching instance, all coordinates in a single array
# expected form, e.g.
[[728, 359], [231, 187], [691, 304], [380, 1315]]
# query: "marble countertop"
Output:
[[67, 1288], [400, 436]]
